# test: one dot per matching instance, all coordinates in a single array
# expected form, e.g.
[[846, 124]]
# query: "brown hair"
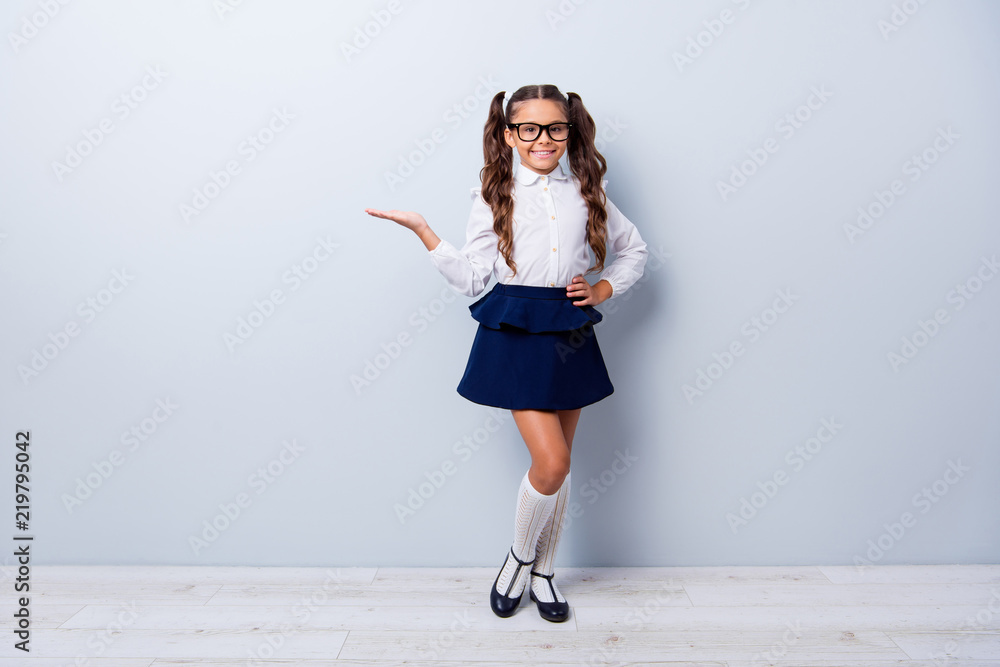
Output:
[[585, 161]]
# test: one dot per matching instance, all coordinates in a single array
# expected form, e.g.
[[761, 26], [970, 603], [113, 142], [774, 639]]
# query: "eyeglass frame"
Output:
[[541, 128]]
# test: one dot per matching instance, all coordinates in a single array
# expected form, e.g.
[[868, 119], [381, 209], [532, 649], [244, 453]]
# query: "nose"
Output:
[[544, 133]]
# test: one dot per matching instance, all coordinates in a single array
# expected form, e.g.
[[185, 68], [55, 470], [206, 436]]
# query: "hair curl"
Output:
[[585, 162]]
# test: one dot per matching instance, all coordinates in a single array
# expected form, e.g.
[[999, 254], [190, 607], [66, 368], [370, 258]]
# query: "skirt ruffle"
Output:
[[533, 309], [535, 350]]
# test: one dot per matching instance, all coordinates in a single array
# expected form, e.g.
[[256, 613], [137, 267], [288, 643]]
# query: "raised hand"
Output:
[[409, 219], [412, 221]]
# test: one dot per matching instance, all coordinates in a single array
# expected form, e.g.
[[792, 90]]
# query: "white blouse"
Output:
[[550, 239]]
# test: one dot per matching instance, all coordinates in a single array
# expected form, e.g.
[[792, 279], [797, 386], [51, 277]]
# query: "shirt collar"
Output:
[[526, 176]]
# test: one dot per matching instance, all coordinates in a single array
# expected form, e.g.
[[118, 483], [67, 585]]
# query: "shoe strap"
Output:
[[548, 577], [522, 562], [517, 570]]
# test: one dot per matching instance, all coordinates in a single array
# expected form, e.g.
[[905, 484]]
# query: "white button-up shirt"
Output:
[[550, 239]]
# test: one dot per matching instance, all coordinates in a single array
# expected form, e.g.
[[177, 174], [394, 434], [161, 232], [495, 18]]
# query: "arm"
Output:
[[468, 269], [428, 237]]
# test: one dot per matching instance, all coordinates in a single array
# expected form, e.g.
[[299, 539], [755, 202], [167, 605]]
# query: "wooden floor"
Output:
[[736, 616]]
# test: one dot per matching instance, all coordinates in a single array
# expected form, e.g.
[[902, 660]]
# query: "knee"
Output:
[[552, 472]]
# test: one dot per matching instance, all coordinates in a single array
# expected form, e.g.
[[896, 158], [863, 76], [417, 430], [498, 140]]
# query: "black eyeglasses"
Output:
[[531, 131]]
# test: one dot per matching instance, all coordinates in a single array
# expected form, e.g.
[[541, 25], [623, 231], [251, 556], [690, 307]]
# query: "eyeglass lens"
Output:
[[531, 131]]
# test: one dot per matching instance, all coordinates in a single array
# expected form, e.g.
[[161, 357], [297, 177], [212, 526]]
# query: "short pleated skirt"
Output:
[[534, 350]]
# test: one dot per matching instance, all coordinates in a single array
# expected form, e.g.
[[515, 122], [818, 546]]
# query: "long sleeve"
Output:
[[468, 270], [630, 250]]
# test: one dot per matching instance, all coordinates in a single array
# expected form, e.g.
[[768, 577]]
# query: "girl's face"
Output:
[[541, 155]]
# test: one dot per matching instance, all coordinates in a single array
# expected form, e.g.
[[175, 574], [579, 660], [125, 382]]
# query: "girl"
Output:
[[535, 351]]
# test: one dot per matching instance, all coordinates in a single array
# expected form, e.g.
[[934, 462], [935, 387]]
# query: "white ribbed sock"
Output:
[[548, 542], [533, 510]]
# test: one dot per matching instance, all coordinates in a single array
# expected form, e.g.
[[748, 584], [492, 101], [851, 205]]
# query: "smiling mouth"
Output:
[[542, 154]]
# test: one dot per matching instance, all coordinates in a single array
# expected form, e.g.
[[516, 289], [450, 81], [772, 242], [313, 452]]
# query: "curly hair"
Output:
[[585, 161]]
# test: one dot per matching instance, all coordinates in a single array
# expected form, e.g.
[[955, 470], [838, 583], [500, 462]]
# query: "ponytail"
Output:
[[585, 161], [589, 166], [497, 177]]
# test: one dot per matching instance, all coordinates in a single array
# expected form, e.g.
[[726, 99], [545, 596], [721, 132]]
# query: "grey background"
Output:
[[671, 134]]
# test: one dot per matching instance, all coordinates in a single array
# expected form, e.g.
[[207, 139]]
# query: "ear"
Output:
[[508, 137]]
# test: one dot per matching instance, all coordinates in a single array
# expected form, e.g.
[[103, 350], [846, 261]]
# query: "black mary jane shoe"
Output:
[[502, 605], [557, 612]]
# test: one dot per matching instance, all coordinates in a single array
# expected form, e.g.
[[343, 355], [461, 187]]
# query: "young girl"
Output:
[[535, 351]]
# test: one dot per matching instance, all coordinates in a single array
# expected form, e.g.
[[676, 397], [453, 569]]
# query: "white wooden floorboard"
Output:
[[189, 644], [912, 574], [839, 594], [35, 661], [205, 574], [50, 615], [351, 617], [586, 648], [87, 593], [899, 616], [948, 645], [774, 618]]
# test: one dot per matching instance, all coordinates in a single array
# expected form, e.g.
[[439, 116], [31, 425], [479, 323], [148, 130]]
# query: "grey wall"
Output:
[[812, 445]]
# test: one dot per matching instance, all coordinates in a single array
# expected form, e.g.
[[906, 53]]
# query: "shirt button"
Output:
[[553, 217], [552, 284], [553, 250]]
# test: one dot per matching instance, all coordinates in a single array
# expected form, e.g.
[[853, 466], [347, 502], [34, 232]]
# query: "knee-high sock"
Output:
[[533, 510], [548, 542]]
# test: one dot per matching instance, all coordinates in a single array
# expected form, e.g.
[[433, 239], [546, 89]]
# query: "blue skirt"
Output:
[[534, 350]]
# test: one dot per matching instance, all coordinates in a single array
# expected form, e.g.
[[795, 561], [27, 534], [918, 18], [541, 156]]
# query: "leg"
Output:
[[543, 432], [549, 436], [552, 605], [569, 419]]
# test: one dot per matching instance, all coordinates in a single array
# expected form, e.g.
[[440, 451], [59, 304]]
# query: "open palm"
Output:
[[409, 219]]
